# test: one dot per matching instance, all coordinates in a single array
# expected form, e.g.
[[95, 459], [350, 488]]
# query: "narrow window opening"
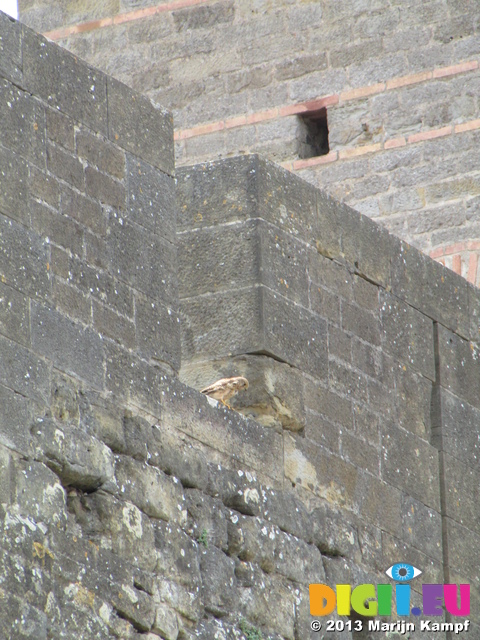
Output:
[[313, 134]]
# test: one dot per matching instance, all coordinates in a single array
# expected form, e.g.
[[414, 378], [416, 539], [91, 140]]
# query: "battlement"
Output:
[[133, 506]]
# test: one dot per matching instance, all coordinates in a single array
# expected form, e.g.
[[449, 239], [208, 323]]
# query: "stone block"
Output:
[[178, 455], [369, 360], [459, 365], [349, 382], [24, 372], [121, 527], [103, 418], [461, 487], [287, 201], [219, 324], [71, 302], [283, 263], [407, 335], [95, 282], [103, 188], [218, 578], [66, 166], [315, 469], [224, 257], [437, 292], [360, 453], [204, 17], [157, 331], [165, 624], [139, 126], [64, 82], [10, 49], [79, 460], [16, 416], [143, 260], [379, 503], [394, 548], [135, 387], [56, 229], [151, 198], [43, 187], [422, 528], [217, 192], [155, 493], [363, 324], [413, 397], [462, 558], [457, 431], [84, 210], [325, 304], [69, 346], [112, 325], [411, 464], [268, 602], [294, 335], [207, 520], [14, 187], [14, 315], [17, 616], [100, 153], [39, 494], [23, 123], [60, 129]]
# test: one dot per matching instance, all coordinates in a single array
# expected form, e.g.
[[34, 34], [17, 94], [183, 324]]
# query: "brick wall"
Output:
[[131, 506], [399, 80]]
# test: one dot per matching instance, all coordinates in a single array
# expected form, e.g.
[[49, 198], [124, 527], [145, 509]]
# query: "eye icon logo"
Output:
[[402, 572]]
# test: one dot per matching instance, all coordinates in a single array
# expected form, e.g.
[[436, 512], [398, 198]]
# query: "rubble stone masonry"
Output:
[[131, 505]]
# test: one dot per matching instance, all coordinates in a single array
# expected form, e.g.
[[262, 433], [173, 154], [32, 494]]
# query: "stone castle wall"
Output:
[[399, 81], [131, 505]]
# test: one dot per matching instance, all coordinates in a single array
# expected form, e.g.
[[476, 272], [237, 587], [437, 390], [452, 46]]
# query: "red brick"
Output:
[[312, 162], [404, 81], [457, 264], [455, 69], [359, 151], [260, 116], [467, 126], [472, 268], [430, 135], [362, 92], [393, 143]]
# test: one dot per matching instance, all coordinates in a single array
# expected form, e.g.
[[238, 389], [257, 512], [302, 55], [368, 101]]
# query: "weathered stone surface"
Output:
[[138, 126], [69, 345], [207, 520], [400, 468], [218, 259], [459, 365], [151, 198], [10, 49], [79, 460], [150, 490], [13, 190], [217, 192], [64, 82], [408, 335], [20, 244]]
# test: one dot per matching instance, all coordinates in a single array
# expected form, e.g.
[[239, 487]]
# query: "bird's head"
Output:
[[241, 383]]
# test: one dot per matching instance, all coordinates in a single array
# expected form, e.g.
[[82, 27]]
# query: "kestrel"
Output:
[[226, 388]]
